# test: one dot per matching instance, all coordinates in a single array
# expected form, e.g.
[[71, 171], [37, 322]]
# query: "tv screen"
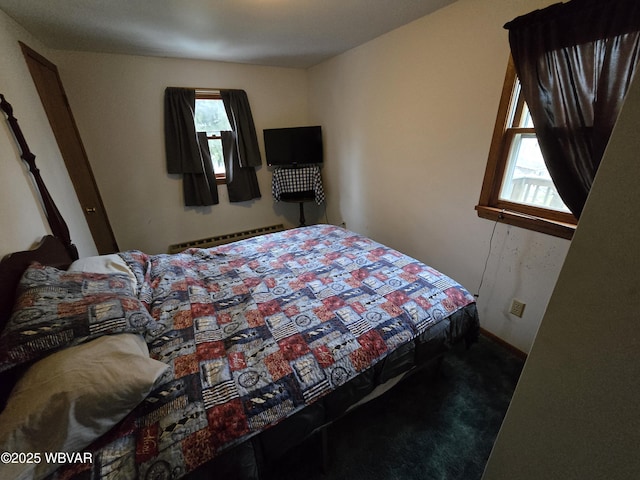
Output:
[[293, 146]]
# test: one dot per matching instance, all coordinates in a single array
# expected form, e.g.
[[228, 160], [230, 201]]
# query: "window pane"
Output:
[[514, 121], [519, 115], [215, 147], [210, 116], [526, 121], [526, 178]]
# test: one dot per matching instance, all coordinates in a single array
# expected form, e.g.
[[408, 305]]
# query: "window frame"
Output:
[[212, 94], [490, 205]]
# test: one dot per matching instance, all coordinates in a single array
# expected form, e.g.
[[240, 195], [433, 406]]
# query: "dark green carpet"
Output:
[[423, 429]]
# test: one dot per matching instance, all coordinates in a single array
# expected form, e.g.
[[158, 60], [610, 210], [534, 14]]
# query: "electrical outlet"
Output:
[[517, 308]]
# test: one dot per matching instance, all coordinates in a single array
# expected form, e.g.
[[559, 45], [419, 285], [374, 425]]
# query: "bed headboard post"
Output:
[[54, 217]]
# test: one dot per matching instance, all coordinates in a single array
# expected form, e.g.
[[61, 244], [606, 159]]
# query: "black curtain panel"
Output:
[[575, 62], [186, 155], [204, 189], [236, 104], [242, 182]]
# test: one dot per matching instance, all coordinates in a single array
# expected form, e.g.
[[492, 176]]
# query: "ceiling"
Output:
[[287, 33]]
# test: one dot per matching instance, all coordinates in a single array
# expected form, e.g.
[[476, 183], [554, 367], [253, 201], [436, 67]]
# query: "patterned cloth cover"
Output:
[[256, 330], [299, 179]]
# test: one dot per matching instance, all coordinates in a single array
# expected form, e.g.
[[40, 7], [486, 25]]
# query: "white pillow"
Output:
[[70, 398], [111, 263]]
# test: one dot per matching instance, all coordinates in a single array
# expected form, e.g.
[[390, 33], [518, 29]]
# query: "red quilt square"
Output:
[[412, 268], [457, 297], [269, 308], [358, 307], [179, 285], [182, 319], [397, 297], [323, 313], [240, 289], [185, 365], [277, 365], [202, 310], [360, 359], [196, 449], [252, 282], [392, 309], [254, 318], [237, 361], [307, 277], [227, 422], [408, 277], [333, 303], [376, 253], [323, 356], [373, 342], [293, 347], [70, 309], [372, 345], [237, 263], [130, 304], [297, 284], [360, 274], [210, 350]]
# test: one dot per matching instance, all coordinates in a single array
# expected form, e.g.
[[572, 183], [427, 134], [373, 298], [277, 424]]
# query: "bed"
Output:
[[210, 360]]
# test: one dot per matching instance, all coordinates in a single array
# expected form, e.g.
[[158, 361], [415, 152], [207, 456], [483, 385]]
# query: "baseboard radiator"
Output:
[[222, 239]]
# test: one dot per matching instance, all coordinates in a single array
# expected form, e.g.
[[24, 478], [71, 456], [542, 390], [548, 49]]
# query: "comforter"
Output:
[[255, 331]]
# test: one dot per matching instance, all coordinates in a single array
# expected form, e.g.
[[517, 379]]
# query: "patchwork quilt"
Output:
[[256, 330]]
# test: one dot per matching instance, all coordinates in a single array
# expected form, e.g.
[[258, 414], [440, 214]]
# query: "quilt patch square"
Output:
[[214, 371], [308, 371], [293, 347]]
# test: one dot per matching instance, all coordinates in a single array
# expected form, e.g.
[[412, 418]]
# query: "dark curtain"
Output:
[[240, 147], [242, 182], [205, 191], [238, 110], [186, 153], [575, 62]]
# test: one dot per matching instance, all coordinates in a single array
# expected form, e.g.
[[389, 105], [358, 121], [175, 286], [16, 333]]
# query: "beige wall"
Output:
[[575, 411], [117, 101], [408, 120], [22, 220]]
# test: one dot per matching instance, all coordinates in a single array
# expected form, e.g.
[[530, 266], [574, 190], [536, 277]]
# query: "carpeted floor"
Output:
[[422, 429]]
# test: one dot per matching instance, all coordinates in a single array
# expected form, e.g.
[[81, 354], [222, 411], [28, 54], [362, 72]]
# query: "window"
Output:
[[517, 187], [211, 117]]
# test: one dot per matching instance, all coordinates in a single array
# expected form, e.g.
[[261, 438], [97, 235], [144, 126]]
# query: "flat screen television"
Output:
[[293, 146]]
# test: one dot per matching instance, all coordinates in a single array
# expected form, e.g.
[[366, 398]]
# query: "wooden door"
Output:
[[47, 80]]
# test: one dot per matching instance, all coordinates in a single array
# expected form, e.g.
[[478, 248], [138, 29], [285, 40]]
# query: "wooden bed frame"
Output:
[[54, 217]]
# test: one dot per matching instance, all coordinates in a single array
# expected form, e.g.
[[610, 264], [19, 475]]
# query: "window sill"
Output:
[[530, 222]]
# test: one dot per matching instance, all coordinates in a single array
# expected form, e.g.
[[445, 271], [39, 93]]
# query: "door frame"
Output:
[[71, 148]]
